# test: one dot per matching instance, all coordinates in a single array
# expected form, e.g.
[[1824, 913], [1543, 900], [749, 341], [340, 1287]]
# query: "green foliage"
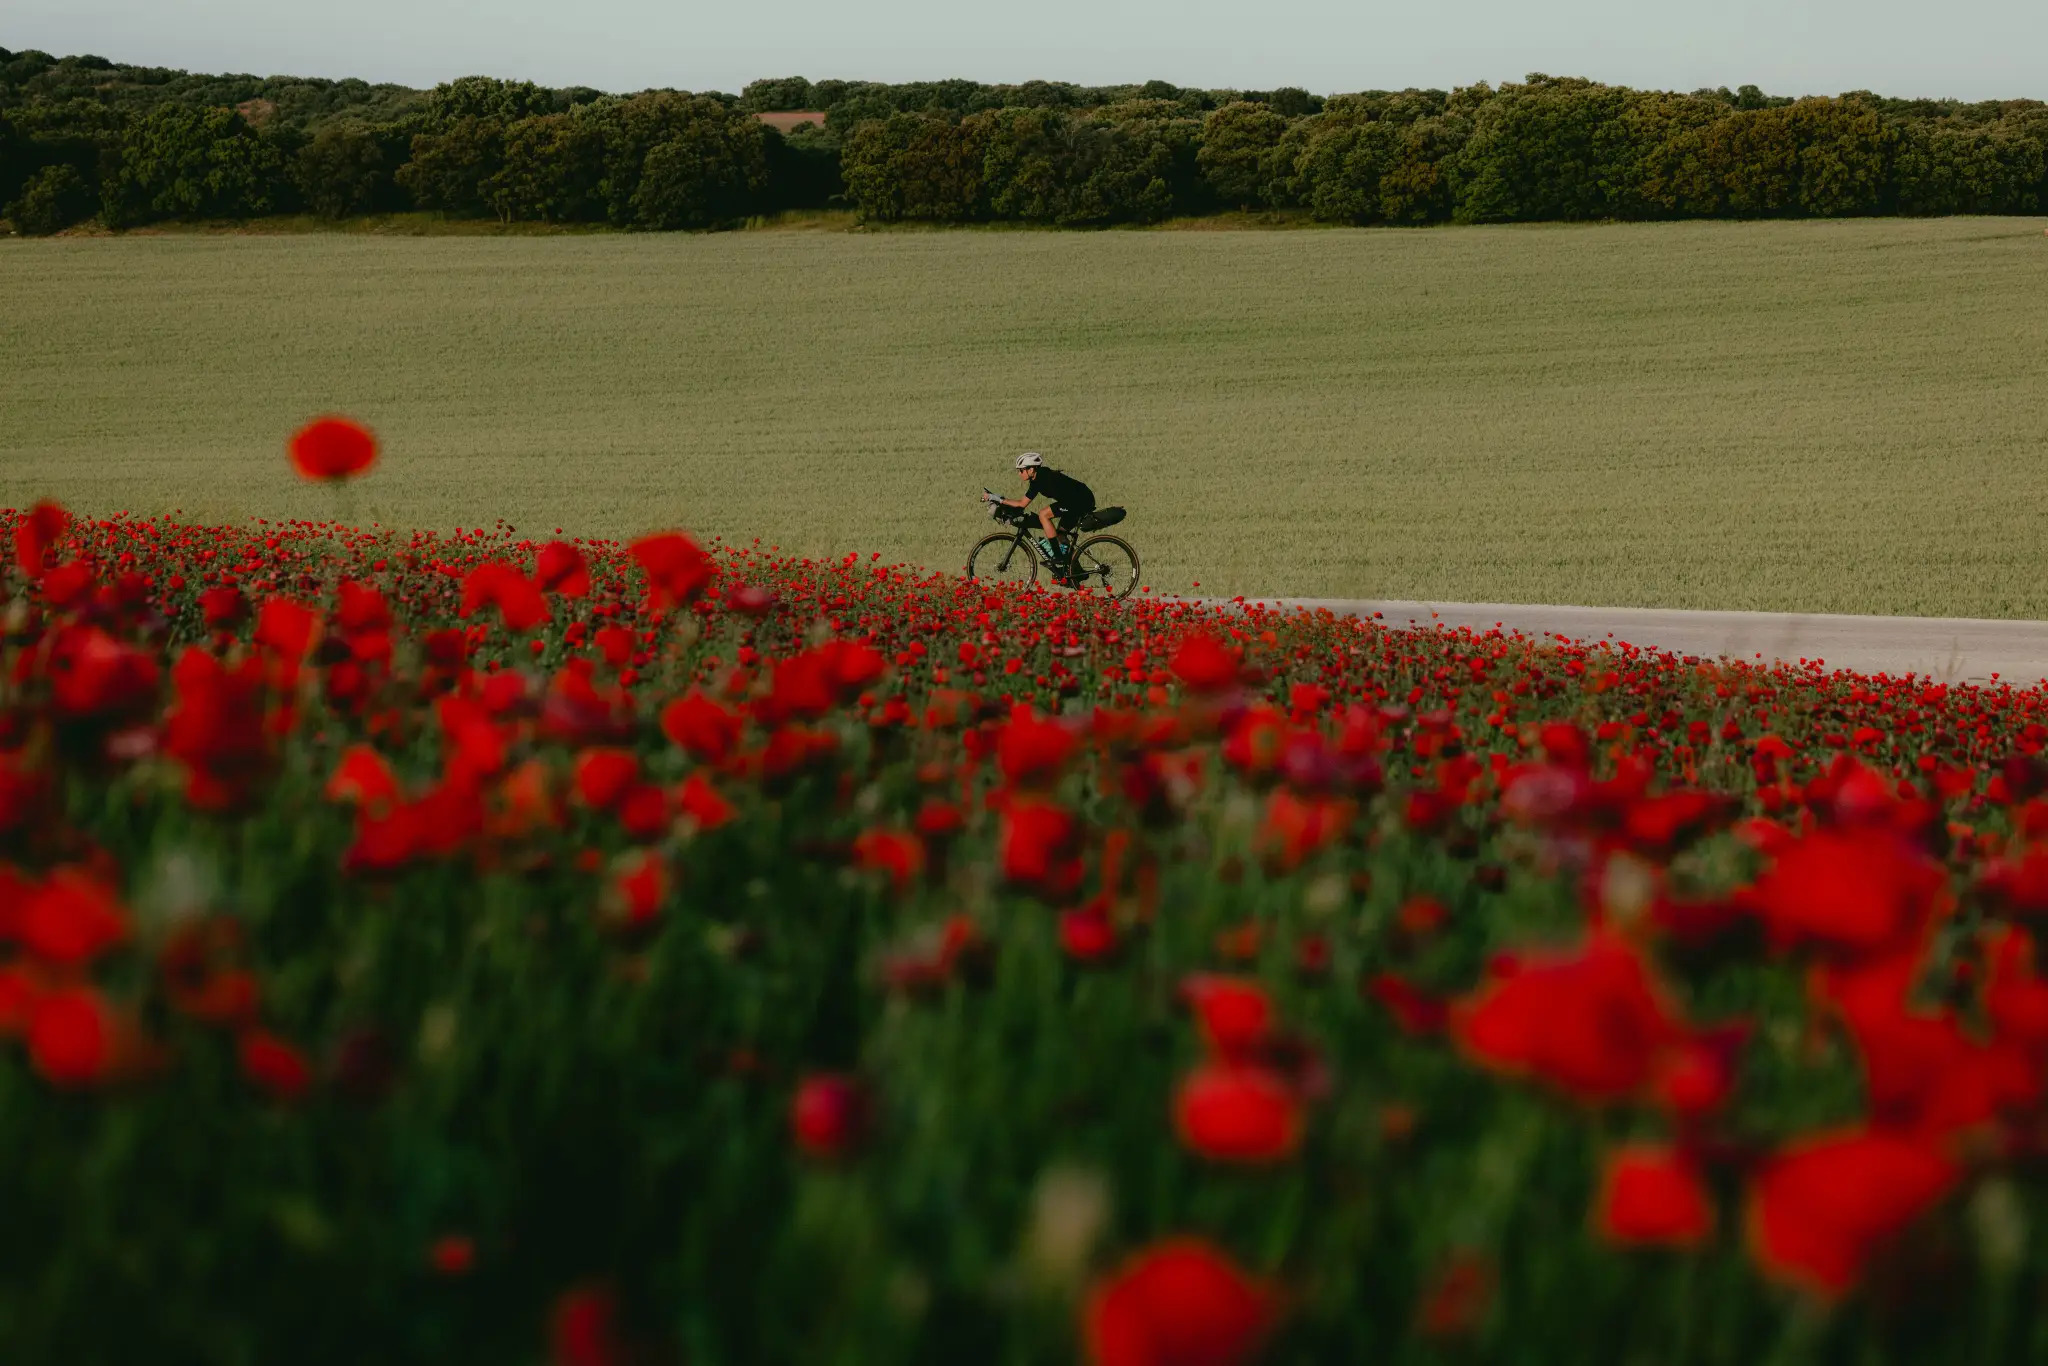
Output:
[[1239, 152], [1549, 148], [15, 165], [486, 97], [778, 93], [914, 166], [340, 171], [53, 199], [449, 169], [553, 171], [709, 170], [1536, 153], [190, 163], [1954, 166]]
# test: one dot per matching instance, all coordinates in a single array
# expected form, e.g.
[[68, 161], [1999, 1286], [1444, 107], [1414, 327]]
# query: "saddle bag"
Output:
[[1100, 518]]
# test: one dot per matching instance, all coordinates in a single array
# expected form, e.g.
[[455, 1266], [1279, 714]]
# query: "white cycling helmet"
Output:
[[1030, 460]]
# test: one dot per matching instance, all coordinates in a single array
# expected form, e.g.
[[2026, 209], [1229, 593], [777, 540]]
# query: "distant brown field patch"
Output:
[[782, 120]]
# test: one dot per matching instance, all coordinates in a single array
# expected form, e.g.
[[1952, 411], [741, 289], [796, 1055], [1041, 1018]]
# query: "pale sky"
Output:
[[1970, 49]]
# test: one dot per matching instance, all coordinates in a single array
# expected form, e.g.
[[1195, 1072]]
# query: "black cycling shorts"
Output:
[[1064, 517]]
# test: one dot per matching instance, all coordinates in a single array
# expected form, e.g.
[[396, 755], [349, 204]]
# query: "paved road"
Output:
[[1955, 649]]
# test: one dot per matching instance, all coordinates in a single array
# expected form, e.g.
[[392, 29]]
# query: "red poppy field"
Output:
[[502, 948]]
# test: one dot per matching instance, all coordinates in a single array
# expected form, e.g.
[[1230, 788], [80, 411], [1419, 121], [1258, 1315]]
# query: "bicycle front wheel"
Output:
[[1106, 567], [1003, 559]]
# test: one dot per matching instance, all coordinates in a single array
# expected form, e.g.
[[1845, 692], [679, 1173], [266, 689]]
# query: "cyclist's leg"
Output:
[[1045, 522], [1063, 543]]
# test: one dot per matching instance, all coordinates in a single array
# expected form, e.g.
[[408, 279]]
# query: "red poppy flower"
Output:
[[20, 991], [363, 778], [1038, 844], [1181, 1302], [452, 1254], [602, 775], [72, 1038], [1030, 749], [701, 727], [521, 604], [583, 1329], [332, 448], [702, 803], [1232, 1113], [1203, 663], [634, 896], [1235, 1015], [894, 852], [1592, 1023], [1850, 891], [216, 730], [1922, 1070], [1652, 1196], [1819, 1209], [287, 627], [1088, 935], [562, 568], [273, 1066], [827, 1115], [71, 920], [95, 677], [677, 571], [1297, 826], [36, 535]]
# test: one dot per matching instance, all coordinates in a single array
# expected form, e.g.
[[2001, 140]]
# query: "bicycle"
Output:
[[1103, 565]]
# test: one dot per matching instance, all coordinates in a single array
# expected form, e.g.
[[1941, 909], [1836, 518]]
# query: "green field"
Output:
[[1844, 416]]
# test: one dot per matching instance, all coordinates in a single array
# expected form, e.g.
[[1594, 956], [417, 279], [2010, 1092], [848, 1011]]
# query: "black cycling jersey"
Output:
[[1063, 491]]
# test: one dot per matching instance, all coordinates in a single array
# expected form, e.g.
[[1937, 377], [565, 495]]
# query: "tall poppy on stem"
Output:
[[332, 448]]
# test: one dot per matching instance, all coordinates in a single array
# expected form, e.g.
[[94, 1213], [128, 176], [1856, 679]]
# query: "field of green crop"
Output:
[[1803, 416]]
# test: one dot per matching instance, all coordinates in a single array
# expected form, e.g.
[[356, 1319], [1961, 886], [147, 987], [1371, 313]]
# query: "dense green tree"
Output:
[[53, 199], [341, 170], [1650, 152], [711, 169], [1024, 161], [449, 169], [488, 98], [1240, 151], [1134, 163], [914, 166], [175, 162], [1536, 153], [552, 171], [15, 165], [777, 93]]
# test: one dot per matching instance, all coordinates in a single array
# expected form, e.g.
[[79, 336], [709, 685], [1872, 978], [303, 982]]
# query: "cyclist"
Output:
[[1070, 500]]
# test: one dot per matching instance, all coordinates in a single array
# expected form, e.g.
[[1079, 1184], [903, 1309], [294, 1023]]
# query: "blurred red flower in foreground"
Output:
[[827, 1115], [1652, 1196], [678, 571], [1850, 892], [71, 1038], [1178, 1303], [584, 1328], [1237, 1114], [1820, 1208], [332, 448], [1591, 1023], [36, 534]]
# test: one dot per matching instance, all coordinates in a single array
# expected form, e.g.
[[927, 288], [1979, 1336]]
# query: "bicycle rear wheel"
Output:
[[1105, 566], [1003, 559]]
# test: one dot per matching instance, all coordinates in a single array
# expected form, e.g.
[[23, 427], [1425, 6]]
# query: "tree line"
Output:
[[82, 138]]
